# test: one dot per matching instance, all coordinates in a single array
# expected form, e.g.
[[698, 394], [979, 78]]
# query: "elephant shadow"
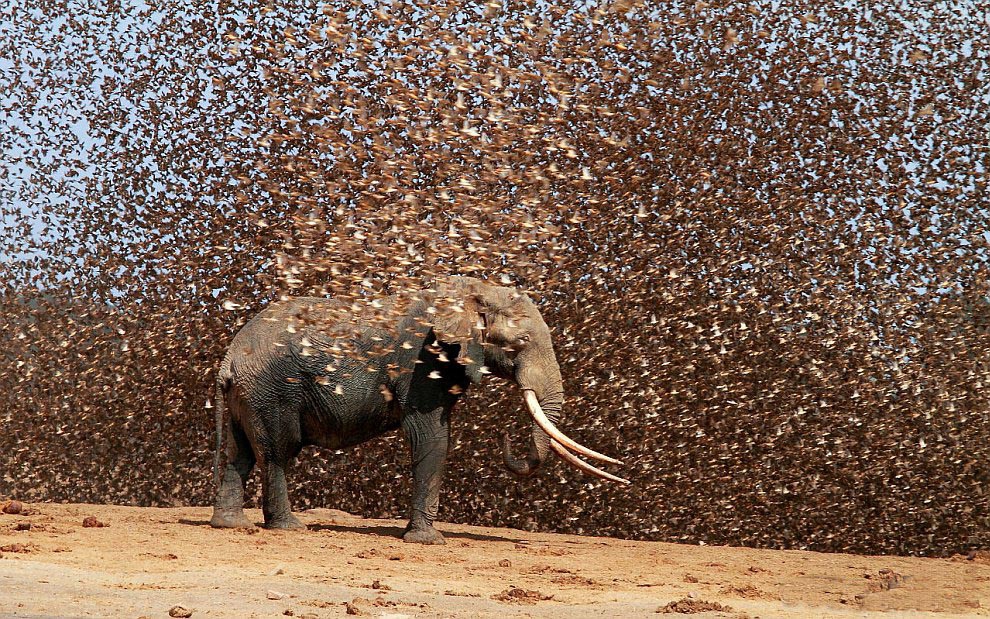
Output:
[[379, 531], [396, 532]]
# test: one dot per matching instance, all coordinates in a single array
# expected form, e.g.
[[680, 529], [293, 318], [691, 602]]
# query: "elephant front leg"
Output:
[[428, 436]]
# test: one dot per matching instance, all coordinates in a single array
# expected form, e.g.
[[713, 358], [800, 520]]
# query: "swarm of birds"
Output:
[[758, 232]]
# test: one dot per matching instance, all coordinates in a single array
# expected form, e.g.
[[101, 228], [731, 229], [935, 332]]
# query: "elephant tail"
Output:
[[220, 408]]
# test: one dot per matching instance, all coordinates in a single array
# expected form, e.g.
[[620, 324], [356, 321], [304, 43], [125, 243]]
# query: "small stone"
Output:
[[515, 594], [690, 606], [22, 526], [14, 507], [91, 522], [278, 571], [179, 611], [275, 595]]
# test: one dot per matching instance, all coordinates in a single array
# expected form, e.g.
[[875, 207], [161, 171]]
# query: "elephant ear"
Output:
[[460, 319], [460, 310]]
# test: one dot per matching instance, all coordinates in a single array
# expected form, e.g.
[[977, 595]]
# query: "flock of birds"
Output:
[[758, 232]]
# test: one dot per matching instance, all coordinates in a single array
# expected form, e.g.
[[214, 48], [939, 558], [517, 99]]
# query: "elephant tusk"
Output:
[[584, 466], [544, 422]]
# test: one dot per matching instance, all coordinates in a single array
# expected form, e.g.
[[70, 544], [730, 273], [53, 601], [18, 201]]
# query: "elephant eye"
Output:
[[523, 338]]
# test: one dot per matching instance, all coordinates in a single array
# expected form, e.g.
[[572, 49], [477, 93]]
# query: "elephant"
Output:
[[337, 372]]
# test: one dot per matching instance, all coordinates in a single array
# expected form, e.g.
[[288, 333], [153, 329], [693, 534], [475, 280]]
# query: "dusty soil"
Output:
[[146, 562]]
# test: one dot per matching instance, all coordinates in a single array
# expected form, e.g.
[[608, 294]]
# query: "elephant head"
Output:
[[500, 331]]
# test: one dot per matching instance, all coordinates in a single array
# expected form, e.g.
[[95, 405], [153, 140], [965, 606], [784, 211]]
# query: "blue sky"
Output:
[[61, 62]]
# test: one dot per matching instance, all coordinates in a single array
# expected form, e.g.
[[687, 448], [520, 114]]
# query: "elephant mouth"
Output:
[[566, 447]]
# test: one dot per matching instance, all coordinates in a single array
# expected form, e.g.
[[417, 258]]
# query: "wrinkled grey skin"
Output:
[[286, 387]]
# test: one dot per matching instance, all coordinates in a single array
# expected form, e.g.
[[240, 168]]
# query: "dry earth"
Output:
[[147, 561]]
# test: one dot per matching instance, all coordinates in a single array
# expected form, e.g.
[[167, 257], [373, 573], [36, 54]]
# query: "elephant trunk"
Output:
[[539, 378], [539, 443]]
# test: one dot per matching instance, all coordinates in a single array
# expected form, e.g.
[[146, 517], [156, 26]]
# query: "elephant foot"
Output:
[[289, 522], [230, 520], [420, 535]]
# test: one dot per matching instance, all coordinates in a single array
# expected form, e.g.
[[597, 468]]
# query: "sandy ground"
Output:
[[147, 561]]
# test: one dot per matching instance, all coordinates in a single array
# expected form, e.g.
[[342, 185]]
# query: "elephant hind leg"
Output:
[[275, 497], [228, 510]]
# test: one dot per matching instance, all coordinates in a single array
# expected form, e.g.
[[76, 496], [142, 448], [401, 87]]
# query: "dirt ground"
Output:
[[147, 561]]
